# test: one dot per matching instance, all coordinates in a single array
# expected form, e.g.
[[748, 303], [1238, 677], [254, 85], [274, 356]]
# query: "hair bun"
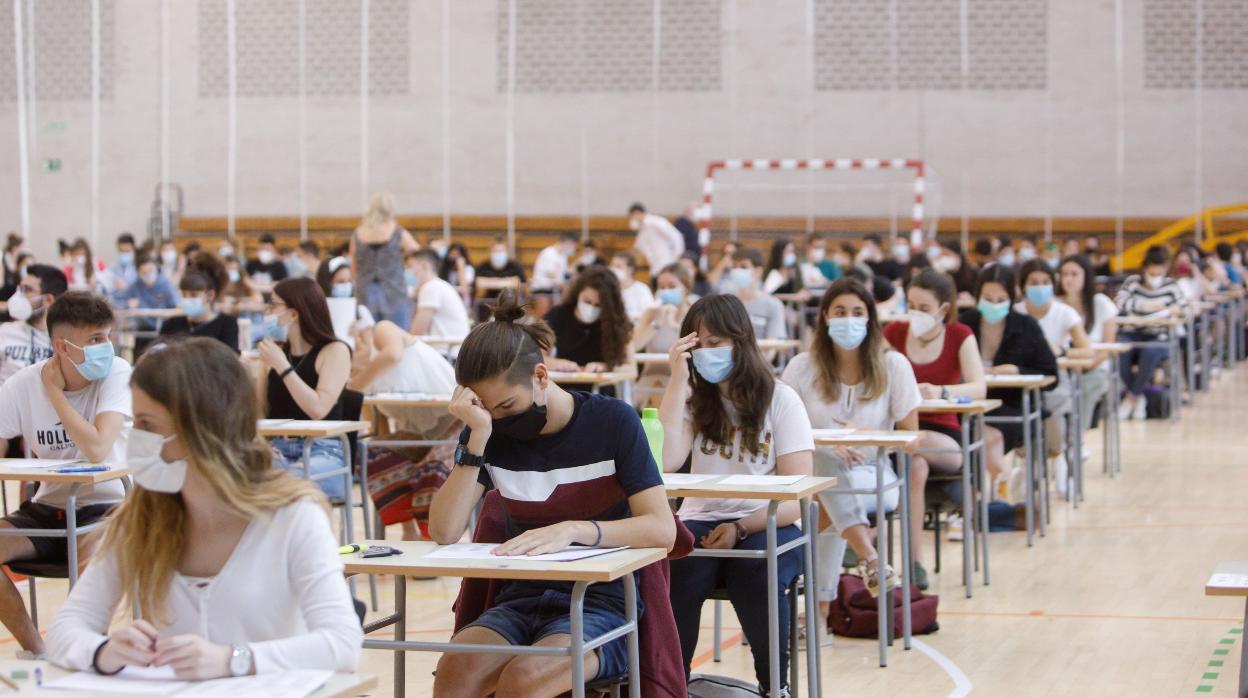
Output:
[[508, 308]]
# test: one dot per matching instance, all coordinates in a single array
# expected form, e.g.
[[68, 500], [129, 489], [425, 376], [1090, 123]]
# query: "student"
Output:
[[733, 416], [1051, 256], [308, 369], [24, 340], [500, 266], [891, 268], [718, 276], [201, 286], [817, 269], [456, 268], [701, 283], [945, 358], [1151, 292], [1027, 249], [1226, 255], [586, 458], [659, 326], [84, 271], [591, 330], [637, 296], [1099, 317], [550, 271], [440, 309], [13, 246], [231, 563], [69, 407], [850, 377], [782, 275], [657, 239], [266, 269], [377, 255], [1010, 343], [352, 322], [171, 263], [766, 312], [152, 290], [589, 257], [125, 271], [304, 260]]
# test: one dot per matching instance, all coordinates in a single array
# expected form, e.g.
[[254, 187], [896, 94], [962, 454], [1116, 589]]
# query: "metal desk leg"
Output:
[[773, 599], [814, 624], [1243, 658], [981, 462], [1174, 373], [577, 645], [400, 634], [968, 517], [906, 557], [71, 529], [885, 606], [1031, 472], [1189, 343], [365, 506], [1042, 461], [634, 644], [1074, 485], [348, 513]]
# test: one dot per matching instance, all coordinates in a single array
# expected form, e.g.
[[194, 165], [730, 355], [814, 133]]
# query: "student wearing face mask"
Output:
[[13, 245], [151, 291], [766, 312], [201, 286], [440, 310], [266, 268], [729, 413], [308, 368], [207, 500], [353, 323], [72, 406], [1006, 257], [499, 266], [636, 295], [1051, 256], [592, 331], [945, 357], [852, 378], [84, 271], [171, 262], [24, 340], [526, 435], [782, 275], [1151, 292], [657, 329], [1010, 343], [818, 269], [1027, 249], [892, 267], [125, 271]]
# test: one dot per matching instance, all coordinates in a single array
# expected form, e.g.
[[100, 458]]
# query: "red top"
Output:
[[945, 370]]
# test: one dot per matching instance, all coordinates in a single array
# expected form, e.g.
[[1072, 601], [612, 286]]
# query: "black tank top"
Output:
[[281, 404]]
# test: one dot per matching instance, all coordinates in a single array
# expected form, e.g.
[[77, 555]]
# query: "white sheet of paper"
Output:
[[1229, 580], [281, 684], [147, 681], [482, 551], [685, 478], [273, 423], [827, 433], [34, 463], [760, 480]]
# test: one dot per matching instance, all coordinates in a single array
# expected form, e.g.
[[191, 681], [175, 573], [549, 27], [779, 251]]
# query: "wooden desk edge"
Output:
[[462, 568], [702, 490]]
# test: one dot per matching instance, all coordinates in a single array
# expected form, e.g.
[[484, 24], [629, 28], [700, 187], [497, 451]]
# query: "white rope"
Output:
[[1199, 97], [23, 144], [732, 108], [303, 120], [810, 111], [165, 122], [32, 89], [964, 53], [510, 126], [363, 100], [95, 124], [1120, 132], [446, 119], [656, 48], [231, 147], [583, 131], [1048, 162]]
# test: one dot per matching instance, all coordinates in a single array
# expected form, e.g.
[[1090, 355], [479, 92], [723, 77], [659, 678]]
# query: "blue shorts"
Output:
[[525, 620]]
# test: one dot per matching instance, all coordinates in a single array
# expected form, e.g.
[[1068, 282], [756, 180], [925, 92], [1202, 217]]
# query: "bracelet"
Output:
[[95, 662], [599, 529], [289, 370], [742, 534]]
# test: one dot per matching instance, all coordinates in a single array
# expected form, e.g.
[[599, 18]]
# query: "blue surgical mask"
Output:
[[409, 277], [193, 307], [713, 364], [97, 360], [1040, 295], [273, 330], [343, 290], [234, 276], [125, 259], [1006, 260], [847, 332], [741, 278], [993, 312], [498, 260], [789, 260], [671, 296]]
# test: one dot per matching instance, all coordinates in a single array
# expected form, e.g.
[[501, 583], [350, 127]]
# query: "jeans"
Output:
[[846, 510], [326, 456], [397, 311], [1148, 358], [694, 578], [1095, 386]]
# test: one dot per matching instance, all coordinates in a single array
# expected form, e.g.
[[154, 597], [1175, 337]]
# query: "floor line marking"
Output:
[[962, 685], [1088, 616]]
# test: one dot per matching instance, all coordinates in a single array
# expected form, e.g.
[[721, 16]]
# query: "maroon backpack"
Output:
[[855, 613]]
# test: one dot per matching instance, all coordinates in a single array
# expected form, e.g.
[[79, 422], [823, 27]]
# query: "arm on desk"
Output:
[[972, 369], [388, 340]]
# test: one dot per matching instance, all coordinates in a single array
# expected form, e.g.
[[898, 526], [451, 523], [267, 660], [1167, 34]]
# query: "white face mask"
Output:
[[265, 256], [1154, 280], [920, 323], [19, 306], [587, 313], [634, 224], [150, 470], [620, 274], [816, 255]]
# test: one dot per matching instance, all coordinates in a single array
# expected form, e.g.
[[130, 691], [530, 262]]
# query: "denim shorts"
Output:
[[527, 619]]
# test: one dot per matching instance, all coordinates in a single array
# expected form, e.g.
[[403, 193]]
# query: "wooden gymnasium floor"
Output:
[[1109, 604]]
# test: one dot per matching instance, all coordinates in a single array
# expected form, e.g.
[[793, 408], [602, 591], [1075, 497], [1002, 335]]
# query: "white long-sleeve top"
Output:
[[281, 593], [659, 242]]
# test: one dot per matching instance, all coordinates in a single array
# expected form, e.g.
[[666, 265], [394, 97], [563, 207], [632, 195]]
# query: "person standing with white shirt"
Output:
[[72, 406], [210, 517], [657, 239]]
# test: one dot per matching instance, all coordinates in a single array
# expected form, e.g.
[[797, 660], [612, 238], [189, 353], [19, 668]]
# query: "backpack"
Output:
[[855, 613], [703, 686]]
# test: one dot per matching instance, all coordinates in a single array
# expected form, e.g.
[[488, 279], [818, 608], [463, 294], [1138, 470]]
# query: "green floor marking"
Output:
[[1226, 641], [1209, 676], [1204, 689], [1221, 653], [1237, 631], [1215, 662]]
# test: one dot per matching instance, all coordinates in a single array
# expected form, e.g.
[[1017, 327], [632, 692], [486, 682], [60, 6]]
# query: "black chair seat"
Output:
[[35, 568]]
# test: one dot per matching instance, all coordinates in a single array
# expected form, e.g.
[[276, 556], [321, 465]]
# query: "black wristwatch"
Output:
[[466, 459], [944, 392]]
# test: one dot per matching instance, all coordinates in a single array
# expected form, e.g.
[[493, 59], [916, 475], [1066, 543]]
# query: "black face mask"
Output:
[[525, 426]]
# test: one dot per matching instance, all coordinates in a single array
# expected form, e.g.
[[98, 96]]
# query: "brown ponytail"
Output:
[[511, 344]]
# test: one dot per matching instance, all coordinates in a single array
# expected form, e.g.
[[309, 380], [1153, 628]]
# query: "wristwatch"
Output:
[[241, 660], [742, 534], [944, 392], [466, 459]]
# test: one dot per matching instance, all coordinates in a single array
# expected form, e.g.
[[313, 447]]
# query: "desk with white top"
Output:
[[581, 573], [1032, 420], [1230, 578], [338, 686]]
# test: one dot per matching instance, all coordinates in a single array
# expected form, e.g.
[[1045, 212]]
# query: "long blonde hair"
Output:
[[212, 402], [870, 352], [380, 210]]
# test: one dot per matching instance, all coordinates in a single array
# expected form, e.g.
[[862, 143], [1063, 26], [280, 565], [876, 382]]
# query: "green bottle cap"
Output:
[[650, 412]]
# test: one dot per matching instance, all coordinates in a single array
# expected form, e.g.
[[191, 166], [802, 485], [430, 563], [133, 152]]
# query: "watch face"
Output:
[[459, 452]]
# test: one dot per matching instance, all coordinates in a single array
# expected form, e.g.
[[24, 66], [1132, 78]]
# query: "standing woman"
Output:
[[945, 358], [376, 252], [1010, 344], [208, 501], [732, 414], [592, 330], [308, 369]]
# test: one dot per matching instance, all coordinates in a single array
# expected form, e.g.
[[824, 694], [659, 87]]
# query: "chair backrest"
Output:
[[352, 402]]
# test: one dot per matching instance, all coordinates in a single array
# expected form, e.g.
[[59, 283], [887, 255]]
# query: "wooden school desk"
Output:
[[441, 341], [623, 380], [803, 491], [1169, 327], [338, 686], [1032, 420], [900, 441], [581, 573], [974, 469], [1230, 578], [18, 469]]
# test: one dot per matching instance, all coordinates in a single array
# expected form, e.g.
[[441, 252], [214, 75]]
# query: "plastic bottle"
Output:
[[654, 434]]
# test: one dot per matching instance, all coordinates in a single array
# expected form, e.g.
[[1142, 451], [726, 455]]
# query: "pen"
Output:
[[348, 549], [38, 676], [83, 469]]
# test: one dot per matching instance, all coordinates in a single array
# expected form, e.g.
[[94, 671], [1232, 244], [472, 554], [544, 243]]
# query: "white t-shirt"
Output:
[[637, 298], [421, 369], [786, 429], [1057, 323], [20, 346], [550, 269], [26, 411], [882, 413], [1104, 310], [450, 317], [659, 242]]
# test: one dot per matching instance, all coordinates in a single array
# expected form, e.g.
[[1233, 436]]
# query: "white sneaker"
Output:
[[954, 523], [1140, 410], [1125, 407], [1061, 472], [1016, 486]]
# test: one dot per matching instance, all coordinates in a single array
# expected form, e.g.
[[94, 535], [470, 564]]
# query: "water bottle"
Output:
[[654, 434]]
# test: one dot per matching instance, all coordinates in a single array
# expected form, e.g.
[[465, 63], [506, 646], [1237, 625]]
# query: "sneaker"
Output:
[[919, 578], [1140, 410], [782, 693], [1016, 485], [867, 569], [955, 527], [1061, 473], [1125, 407]]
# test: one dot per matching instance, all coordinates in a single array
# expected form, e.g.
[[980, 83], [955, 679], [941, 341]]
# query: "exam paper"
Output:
[[482, 551], [161, 681], [1229, 580], [132, 681], [760, 480], [685, 478], [34, 463], [826, 433]]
